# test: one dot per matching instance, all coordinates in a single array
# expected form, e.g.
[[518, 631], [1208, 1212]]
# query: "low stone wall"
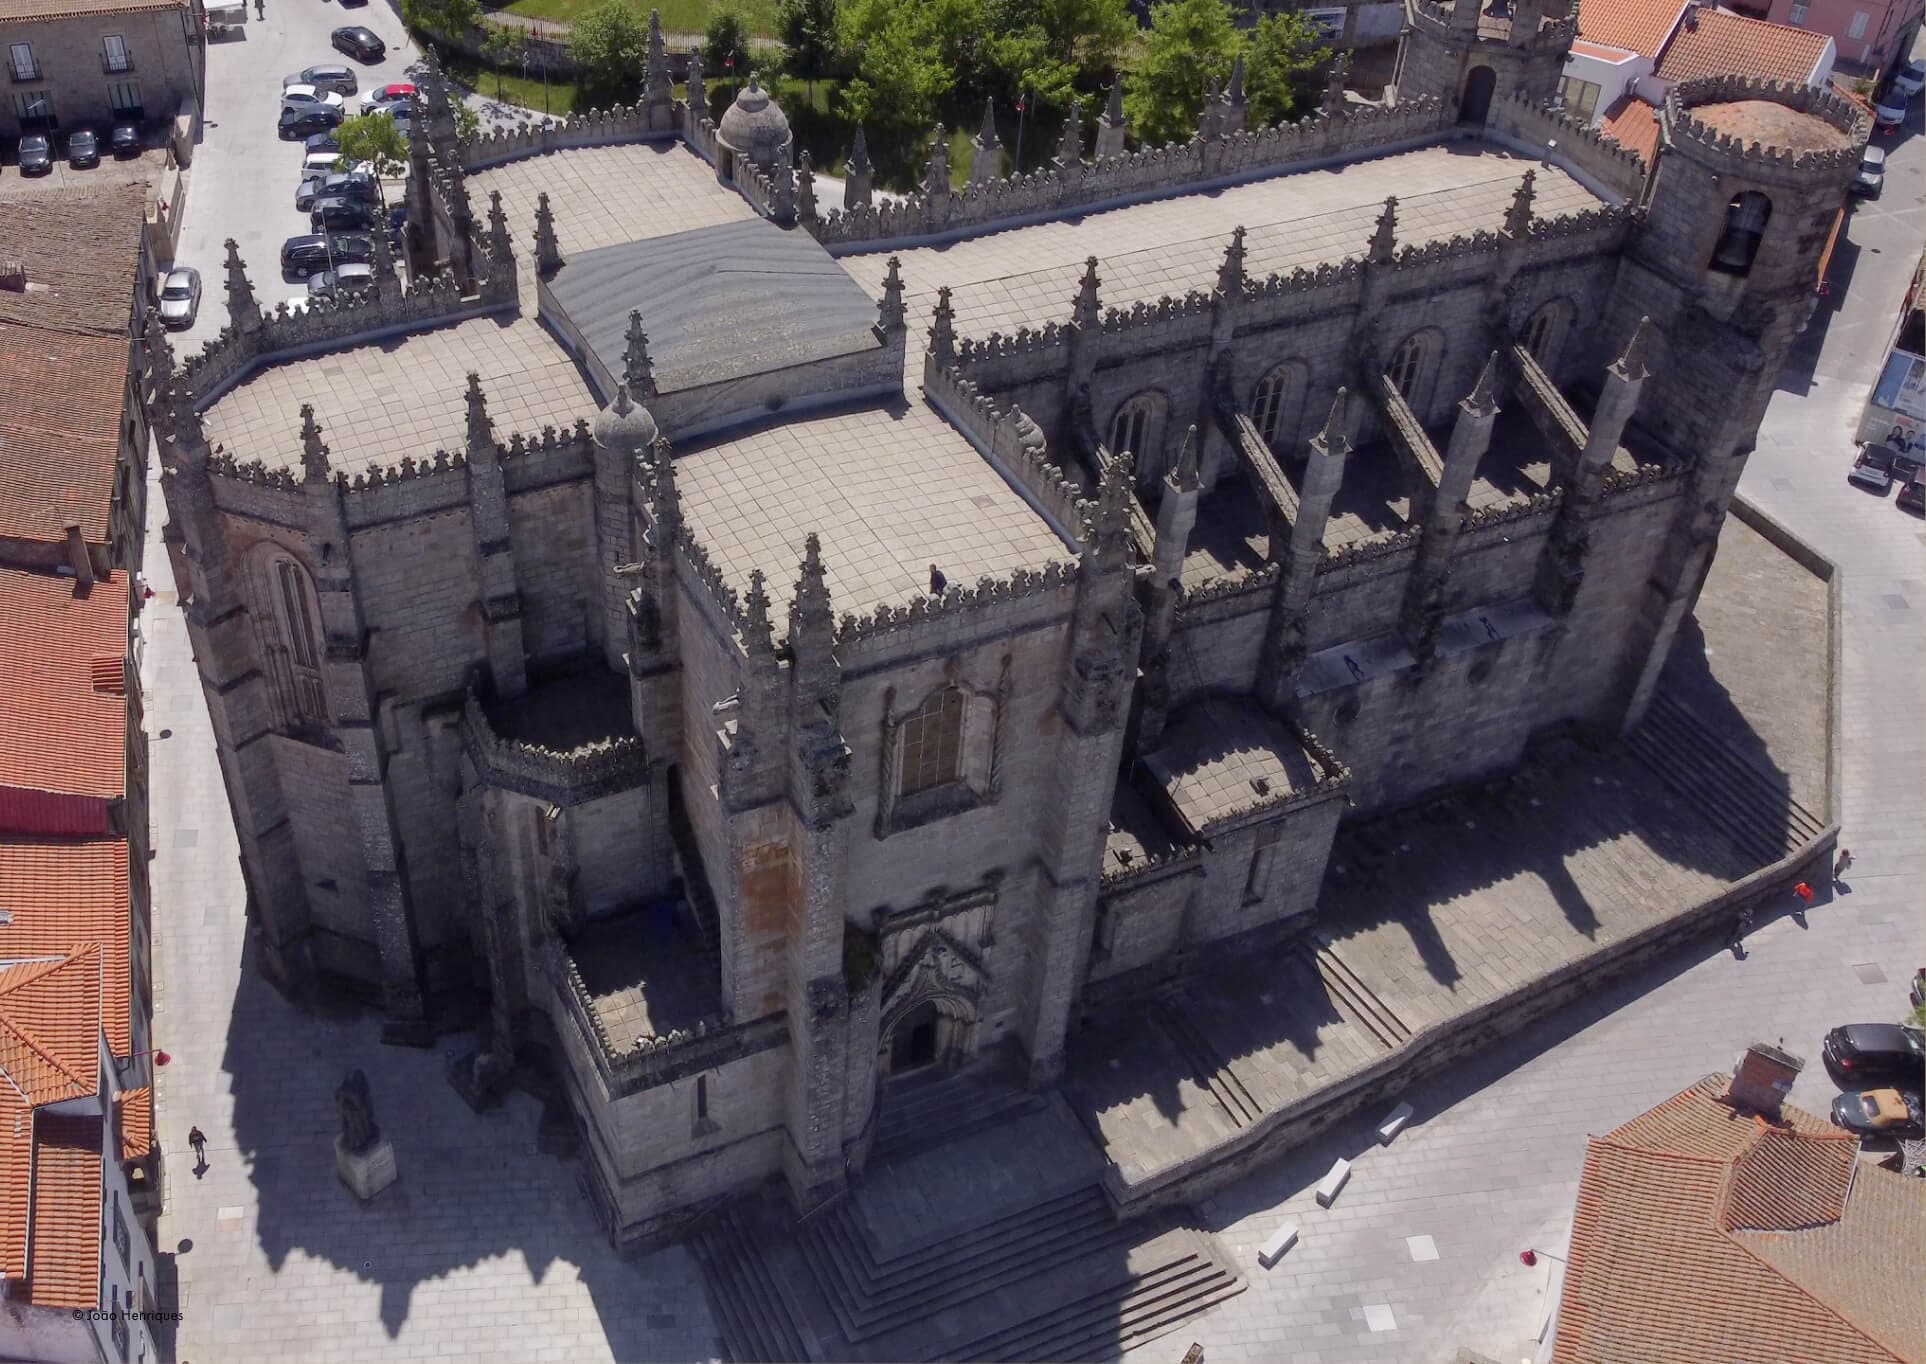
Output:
[[1433, 1048], [1595, 161], [597, 128]]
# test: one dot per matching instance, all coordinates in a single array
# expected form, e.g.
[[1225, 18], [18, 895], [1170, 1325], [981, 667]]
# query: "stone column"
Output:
[[856, 174], [1423, 610], [1113, 129], [1176, 518], [986, 161], [501, 603], [1284, 638]]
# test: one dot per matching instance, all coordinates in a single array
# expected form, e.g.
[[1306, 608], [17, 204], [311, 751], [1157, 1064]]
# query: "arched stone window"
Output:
[[1138, 428], [1277, 402], [291, 638], [1745, 226], [932, 743], [1414, 366], [941, 756], [1546, 333]]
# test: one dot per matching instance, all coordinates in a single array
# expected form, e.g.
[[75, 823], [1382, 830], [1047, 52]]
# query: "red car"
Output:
[[385, 93]]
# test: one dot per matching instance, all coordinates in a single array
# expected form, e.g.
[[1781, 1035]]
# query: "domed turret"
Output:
[[625, 426], [755, 127]]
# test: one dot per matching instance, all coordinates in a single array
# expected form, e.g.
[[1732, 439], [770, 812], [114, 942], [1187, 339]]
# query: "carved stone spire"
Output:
[[500, 246], [1112, 127], [1070, 145], [1633, 364], [658, 88], [314, 455], [1109, 542], [242, 310], [1088, 313], [481, 431], [943, 328], [1230, 275], [891, 312], [805, 188], [1335, 438], [160, 356], [697, 93], [811, 623], [1518, 216], [1234, 104], [434, 99], [1334, 101], [638, 371], [758, 635], [1210, 118], [1384, 241], [387, 278], [857, 173], [1184, 477], [666, 499], [936, 183], [1482, 401], [548, 247], [986, 162]]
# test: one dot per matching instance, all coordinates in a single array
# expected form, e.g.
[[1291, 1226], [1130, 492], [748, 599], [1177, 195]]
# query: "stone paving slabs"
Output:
[[1028, 276], [604, 195]]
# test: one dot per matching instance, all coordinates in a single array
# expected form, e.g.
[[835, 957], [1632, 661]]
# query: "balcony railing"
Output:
[[116, 65], [28, 70]]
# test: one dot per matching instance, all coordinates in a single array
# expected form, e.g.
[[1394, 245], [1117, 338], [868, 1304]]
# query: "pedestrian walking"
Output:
[[1842, 865], [198, 1140], [1739, 930]]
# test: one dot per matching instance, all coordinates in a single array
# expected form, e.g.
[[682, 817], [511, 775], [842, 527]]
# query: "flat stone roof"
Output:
[[403, 396], [890, 487], [717, 302], [604, 195], [1227, 757], [1029, 275]]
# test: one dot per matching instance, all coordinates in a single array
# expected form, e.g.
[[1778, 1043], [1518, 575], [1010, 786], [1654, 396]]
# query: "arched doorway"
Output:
[[913, 1045], [1475, 107], [934, 1032]]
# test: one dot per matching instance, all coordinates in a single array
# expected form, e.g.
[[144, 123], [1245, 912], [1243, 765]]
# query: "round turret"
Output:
[[755, 127], [625, 426]]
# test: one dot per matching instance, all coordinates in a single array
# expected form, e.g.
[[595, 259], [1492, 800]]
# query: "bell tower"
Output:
[[1472, 54]]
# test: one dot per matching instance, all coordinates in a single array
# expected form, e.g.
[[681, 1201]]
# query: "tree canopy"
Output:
[[1194, 42], [376, 139], [450, 18], [725, 46], [808, 30], [1285, 54], [611, 42]]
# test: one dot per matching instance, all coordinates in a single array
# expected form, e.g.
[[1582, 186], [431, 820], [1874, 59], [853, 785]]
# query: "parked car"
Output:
[[309, 255], [1860, 1054], [305, 122], [1880, 1113], [125, 139], [394, 90], [1912, 497], [332, 76], [323, 142], [1910, 79], [83, 148], [1871, 176], [363, 44], [1873, 469], [301, 96], [353, 278], [1890, 112], [401, 110], [356, 185], [36, 154], [180, 297], [338, 213]]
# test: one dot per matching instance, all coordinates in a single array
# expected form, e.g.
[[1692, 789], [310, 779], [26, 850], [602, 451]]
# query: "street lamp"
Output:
[[1529, 1257], [161, 1058]]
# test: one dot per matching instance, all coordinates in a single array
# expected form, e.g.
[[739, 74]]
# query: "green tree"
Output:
[[502, 48], [467, 121], [1190, 43], [899, 80], [1086, 38], [1286, 56], [725, 46], [376, 139], [449, 18], [808, 29], [611, 42]]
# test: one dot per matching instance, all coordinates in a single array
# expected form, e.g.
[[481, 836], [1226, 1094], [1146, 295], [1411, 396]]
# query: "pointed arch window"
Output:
[[1413, 366], [1546, 332], [942, 756], [1745, 226], [1137, 429], [1276, 403], [293, 643]]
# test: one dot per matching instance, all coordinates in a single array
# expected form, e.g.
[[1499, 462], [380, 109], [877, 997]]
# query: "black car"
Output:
[[1867, 1055], [83, 148], [310, 255], [1889, 1113], [323, 142], [355, 185], [338, 212], [126, 139], [36, 154], [1912, 497], [308, 120], [363, 44]]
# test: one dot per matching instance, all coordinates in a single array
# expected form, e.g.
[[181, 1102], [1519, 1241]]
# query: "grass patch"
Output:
[[563, 97], [678, 16]]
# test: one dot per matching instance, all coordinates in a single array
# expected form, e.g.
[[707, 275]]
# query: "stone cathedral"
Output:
[[758, 636]]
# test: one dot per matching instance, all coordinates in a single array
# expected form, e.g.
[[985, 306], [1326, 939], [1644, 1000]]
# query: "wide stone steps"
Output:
[[1209, 1067], [1347, 989], [1187, 1278], [745, 1293], [924, 1115], [1751, 807], [872, 1296]]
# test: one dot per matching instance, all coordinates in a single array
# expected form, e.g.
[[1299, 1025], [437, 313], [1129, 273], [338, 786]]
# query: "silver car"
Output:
[[180, 298]]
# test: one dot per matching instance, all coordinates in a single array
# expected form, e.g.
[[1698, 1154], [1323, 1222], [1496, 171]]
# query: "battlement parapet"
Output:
[[1121, 875], [596, 128], [1148, 173], [1011, 439], [1367, 551], [1750, 158], [1243, 592], [558, 776], [988, 595], [1543, 131]]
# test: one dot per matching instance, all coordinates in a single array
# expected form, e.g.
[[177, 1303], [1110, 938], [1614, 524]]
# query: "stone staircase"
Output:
[[1352, 996], [923, 1112], [1205, 1063], [746, 1291], [1750, 806]]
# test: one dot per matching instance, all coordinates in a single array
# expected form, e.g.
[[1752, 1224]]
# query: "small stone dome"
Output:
[[625, 426], [754, 126]]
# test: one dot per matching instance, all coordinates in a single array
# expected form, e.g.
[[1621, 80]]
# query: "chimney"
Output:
[[83, 566], [1762, 1079], [13, 276], [1691, 16]]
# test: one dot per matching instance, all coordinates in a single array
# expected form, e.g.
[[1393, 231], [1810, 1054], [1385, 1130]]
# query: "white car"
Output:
[[1910, 79], [301, 96], [327, 163], [1890, 112]]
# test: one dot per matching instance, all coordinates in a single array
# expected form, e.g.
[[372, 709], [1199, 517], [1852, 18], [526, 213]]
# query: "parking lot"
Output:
[[244, 176]]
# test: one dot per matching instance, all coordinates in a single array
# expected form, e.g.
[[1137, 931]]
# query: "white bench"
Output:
[[1276, 1248], [1332, 1184], [1393, 1124]]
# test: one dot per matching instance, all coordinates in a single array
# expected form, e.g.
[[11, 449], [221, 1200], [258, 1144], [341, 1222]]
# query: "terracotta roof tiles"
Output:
[[1634, 125], [1640, 26], [65, 734], [81, 249], [62, 396], [1727, 44], [134, 1110], [66, 1213], [61, 892]]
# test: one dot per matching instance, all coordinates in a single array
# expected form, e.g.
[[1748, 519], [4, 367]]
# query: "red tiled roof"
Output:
[[1640, 26], [81, 249], [1601, 52], [134, 1109], [66, 1213], [64, 735], [62, 892], [62, 396], [71, 9], [1661, 1265], [1634, 125], [1726, 44]]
